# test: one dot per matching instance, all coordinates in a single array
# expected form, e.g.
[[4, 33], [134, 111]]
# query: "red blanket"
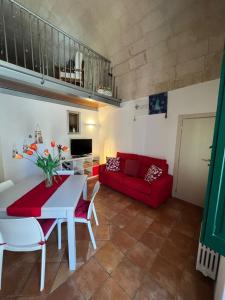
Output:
[[29, 205]]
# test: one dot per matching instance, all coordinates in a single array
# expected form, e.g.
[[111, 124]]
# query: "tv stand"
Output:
[[79, 156], [88, 165]]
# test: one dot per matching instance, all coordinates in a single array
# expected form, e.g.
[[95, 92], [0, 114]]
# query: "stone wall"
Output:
[[169, 44]]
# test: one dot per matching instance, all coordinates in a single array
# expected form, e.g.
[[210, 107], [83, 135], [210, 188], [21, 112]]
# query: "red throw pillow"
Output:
[[112, 164], [131, 167], [153, 173]]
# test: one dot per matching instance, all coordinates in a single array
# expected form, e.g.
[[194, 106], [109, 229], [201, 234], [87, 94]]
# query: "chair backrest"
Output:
[[6, 185], [78, 64], [78, 60], [65, 172], [94, 192], [21, 232]]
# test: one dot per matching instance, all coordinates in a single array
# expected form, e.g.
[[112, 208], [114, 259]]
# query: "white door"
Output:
[[194, 155]]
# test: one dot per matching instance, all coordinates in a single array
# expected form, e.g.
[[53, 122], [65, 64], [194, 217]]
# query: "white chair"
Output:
[[5, 185], [82, 214], [65, 172], [25, 234]]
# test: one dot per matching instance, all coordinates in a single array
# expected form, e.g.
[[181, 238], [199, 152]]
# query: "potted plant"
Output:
[[48, 162]]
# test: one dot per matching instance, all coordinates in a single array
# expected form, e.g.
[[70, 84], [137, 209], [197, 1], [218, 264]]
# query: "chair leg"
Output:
[[1, 260], [43, 258], [59, 230], [95, 215], [91, 234]]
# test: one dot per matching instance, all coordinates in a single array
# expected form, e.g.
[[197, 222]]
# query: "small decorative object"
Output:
[[158, 104], [46, 161], [105, 91], [26, 143], [38, 135], [25, 146], [73, 122], [14, 152], [140, 109]]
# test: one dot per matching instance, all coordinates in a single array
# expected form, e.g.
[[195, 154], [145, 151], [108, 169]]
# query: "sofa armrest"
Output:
[[102, 168], [101, 176], [161, 189]]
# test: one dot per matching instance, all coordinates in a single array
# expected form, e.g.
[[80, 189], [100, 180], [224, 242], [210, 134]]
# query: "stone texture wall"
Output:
[[169, 44], [155, 45]]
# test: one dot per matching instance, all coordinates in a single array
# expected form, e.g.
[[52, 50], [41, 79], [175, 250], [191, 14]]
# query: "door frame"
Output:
[[2, 175], [178, 143]]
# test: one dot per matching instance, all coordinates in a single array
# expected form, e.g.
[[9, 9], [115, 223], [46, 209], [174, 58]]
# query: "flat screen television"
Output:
[[79, 147]]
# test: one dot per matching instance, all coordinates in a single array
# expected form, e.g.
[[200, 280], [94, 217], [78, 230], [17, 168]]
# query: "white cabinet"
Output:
[[88, 165]]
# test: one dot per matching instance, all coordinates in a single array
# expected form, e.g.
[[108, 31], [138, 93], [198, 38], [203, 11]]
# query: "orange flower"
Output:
[[65, 149], [18, 156], [53, 144], [33, 147], [29, 152], [46, 152]]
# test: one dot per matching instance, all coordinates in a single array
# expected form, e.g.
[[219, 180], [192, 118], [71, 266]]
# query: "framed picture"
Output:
[[158, 104], [73, 122]]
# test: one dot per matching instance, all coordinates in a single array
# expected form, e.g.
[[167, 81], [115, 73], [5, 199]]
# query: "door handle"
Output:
[[205, 159]]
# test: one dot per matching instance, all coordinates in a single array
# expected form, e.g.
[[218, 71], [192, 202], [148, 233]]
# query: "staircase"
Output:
[[30, 43]]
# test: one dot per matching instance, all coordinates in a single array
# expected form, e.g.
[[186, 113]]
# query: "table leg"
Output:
[[71, 240], [85, 191]]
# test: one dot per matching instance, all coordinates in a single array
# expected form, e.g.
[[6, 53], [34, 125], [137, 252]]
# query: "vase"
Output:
[[48, 180]]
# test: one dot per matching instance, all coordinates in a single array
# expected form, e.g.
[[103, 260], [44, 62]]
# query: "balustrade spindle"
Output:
[[31, 43], [5, 38], [53, 56]]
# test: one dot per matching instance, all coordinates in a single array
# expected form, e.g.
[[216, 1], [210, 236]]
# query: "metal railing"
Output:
[[29, 41]]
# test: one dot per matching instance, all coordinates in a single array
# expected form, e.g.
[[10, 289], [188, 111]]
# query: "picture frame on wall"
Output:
[[158, 104], [73, 122]]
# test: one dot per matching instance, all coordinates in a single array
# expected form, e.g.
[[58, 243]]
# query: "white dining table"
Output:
[[60, 205]]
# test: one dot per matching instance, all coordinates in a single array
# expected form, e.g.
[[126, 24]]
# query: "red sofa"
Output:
[[136, 187]]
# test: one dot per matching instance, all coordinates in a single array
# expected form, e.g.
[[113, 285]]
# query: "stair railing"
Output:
[[31, 42]]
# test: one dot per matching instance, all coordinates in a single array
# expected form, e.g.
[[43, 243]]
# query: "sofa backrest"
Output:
[[123, 157], [145, 162]]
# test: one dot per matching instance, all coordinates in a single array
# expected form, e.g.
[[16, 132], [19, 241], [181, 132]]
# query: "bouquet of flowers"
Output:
[[48, 162]]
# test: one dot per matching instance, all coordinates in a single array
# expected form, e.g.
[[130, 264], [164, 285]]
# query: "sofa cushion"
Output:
[[138, 184], [153, 173], [147, 161], [131, 167], [123, 157], [117, 177], [112, 164]]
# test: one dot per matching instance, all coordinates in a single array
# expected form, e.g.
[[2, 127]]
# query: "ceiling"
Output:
[[97, 23]]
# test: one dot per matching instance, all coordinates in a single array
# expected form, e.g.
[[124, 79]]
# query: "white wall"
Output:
[[153, 135], [18, 119]]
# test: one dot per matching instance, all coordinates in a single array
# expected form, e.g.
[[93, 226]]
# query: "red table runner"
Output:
[[29, 205]]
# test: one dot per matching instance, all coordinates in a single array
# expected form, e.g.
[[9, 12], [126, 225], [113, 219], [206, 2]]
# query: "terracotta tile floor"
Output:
[[142, 254]]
